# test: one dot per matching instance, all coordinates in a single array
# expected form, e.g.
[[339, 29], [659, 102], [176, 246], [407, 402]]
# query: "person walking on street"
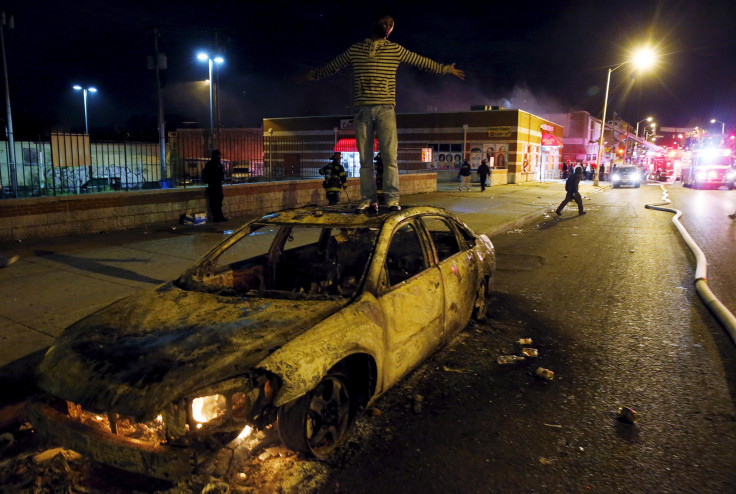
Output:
[[483, 172], [213, 174], [571, 186], [335, 178], [464, 174], [374, 62]]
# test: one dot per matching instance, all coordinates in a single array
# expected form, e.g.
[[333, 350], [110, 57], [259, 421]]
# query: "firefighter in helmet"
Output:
[[335, 178]]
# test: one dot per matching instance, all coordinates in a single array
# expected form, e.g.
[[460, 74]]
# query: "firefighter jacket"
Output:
[[335, 176]]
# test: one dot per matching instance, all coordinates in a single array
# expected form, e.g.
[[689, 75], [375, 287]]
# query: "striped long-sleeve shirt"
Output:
[[374, 69]]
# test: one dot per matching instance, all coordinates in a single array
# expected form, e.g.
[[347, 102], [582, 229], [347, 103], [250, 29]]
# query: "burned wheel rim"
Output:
[[317, 422]]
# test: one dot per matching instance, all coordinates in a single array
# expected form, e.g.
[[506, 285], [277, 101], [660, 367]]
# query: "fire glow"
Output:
[[208, 408]]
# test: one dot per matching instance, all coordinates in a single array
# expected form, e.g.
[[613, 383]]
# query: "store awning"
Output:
[[346, 145], [550, 139]]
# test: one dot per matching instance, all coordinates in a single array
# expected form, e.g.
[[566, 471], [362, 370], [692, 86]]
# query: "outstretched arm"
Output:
[[457, 72]]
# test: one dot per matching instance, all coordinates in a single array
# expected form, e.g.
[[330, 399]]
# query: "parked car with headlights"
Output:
[[626, 175], [298, 319]]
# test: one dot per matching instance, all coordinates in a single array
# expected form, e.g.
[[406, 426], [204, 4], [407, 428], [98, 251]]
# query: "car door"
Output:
[[411, 301], [458, 269]]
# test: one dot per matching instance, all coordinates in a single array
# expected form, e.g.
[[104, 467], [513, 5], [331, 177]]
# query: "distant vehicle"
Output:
[[710, 167], [626, 175], [295, 321]]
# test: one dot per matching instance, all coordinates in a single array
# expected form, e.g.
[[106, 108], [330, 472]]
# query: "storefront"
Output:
[[518, 146]]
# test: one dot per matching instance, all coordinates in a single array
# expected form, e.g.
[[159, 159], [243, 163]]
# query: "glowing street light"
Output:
[[641, 59], [218, 59], [84, 90], [723, 125]]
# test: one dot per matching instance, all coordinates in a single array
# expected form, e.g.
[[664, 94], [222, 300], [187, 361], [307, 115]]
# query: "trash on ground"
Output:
[[509, 359], [530, 352], [450, 369], [50, 454], [524, 341], [556, 426], [628, 415], [545, 374]]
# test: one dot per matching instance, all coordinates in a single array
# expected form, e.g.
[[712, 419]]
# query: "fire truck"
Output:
[[710, 167], [669, 168]]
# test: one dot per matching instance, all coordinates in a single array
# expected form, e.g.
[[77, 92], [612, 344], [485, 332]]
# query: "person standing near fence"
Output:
[[335, 178], [213, 174], [483, 172], [465, 174], [374, 62]]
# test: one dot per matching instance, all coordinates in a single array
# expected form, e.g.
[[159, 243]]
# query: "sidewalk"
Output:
[[60, 280]]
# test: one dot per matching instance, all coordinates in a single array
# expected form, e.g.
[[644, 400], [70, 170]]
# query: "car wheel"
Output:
[[480, 308], [317, 422], [637, 185], [615, 186]]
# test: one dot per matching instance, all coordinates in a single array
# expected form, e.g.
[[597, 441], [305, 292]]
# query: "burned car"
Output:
[[296, 320]]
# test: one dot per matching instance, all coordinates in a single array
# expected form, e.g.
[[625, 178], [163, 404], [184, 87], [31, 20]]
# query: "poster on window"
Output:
[[476, 155], [496, 154]]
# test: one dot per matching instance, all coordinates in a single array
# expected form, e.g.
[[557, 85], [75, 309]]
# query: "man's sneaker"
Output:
[[367, 206], [732, 216], [582, 213], [394, 206], [559, 213]]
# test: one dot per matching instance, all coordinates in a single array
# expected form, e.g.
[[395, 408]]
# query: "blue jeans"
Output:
[[380, 119]]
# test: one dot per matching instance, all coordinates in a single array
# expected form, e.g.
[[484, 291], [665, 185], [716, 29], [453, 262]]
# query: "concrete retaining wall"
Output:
[[57, 216]]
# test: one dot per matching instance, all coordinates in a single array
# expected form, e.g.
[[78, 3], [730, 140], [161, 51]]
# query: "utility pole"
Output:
[[158, 65], [9, 22]]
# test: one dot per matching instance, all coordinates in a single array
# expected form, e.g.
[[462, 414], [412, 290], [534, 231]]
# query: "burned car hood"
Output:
[[143, 352]]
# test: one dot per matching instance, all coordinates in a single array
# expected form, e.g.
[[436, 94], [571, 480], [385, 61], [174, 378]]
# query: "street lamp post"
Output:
[[641, 59], [8, 21], [210, 62], [723, 125], [648, 119], [84, 90]]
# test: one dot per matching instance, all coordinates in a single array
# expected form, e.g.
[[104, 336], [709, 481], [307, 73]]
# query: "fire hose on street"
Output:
[[724, 316]]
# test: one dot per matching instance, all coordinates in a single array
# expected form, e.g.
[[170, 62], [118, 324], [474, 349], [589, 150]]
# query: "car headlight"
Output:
[[208, 408], [700, 175], [616, 177], [731, 175], [635, 177]]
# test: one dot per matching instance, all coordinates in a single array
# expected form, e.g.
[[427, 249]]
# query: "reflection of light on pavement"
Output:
[[228, 232]]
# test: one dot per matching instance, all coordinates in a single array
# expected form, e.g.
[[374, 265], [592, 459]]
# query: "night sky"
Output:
[[542, 57]]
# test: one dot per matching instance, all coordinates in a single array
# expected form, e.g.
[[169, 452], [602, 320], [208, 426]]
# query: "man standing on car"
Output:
[[571, 186], [213, 174], [374, 62]]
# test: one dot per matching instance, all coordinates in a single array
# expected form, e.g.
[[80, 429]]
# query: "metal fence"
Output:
[[64, 164]]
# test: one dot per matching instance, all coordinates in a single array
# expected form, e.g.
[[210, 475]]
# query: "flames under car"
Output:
[[172, 443]]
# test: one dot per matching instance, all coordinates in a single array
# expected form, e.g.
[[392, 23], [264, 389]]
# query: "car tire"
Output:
[[637, 185], [480, 307], [318, 422], [616, 186]]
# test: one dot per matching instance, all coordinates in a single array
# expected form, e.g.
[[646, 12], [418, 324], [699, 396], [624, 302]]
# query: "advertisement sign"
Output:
[[427, 155], [496, 154]]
